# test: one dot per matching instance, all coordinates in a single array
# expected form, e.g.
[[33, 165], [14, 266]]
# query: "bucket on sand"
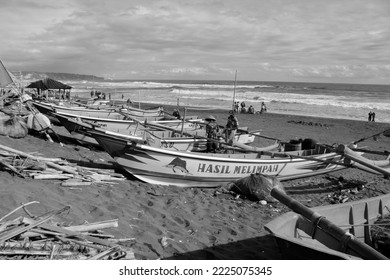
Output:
[[293, 145]]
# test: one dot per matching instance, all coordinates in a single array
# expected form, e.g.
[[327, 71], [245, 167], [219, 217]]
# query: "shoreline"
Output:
[[170, 108]]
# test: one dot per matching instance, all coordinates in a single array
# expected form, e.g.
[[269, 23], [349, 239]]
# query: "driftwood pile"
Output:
[[39, 237], [36, 167]]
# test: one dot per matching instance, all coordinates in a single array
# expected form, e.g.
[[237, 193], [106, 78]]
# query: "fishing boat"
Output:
[[113, 113], [337, 231], [188, 136], [123, 125], [165, 135], [191, 169]]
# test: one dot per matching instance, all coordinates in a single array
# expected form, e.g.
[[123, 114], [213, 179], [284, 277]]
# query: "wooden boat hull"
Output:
[[79, 127], [121, 126], [47, 108], [189, 169], [298, 238]]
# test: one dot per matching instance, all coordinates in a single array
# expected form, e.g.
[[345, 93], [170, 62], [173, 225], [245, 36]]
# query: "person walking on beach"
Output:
[[373, 116], [243, 109], [369, 116], [236, 107], [263, 108], [230, 129], [212, 130]]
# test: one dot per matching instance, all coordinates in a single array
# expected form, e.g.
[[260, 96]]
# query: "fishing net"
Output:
[[257, 187], [380, 232], [14, 127]]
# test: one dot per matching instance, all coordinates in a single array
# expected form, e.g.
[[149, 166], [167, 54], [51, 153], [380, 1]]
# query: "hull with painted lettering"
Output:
[[191, 169]]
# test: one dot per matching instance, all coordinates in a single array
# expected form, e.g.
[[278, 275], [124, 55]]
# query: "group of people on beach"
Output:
[[371, 116], [214, 132], [241, 108], [100, 95]]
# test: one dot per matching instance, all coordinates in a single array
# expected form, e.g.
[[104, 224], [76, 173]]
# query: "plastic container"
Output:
[[293, 145]]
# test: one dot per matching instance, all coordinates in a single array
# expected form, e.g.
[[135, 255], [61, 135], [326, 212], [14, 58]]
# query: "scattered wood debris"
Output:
[[40, 168], [40, 238], [311, 123]]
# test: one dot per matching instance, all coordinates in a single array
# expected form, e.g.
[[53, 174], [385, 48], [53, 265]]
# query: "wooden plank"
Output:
[[75, 183], [52, 176], [8, 149], [94, 226]]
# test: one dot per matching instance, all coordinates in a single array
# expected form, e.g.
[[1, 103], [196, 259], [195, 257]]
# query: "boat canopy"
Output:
[[48, 83]]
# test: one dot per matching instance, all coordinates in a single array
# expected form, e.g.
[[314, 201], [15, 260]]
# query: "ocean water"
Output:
[[346, 101]]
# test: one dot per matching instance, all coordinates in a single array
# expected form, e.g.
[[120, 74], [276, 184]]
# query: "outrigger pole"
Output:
[[234, 92]]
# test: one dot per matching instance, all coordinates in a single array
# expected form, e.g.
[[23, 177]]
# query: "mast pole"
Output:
[[234, 91]]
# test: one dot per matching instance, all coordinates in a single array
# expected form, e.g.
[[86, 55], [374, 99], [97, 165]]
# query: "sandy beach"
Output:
[[190, 223]]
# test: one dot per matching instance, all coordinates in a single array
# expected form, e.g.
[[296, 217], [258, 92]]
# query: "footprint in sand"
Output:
[[212, 239], [96, 211], [181, 221]]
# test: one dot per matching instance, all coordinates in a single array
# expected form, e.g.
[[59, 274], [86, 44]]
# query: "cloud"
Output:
[[278, 39]]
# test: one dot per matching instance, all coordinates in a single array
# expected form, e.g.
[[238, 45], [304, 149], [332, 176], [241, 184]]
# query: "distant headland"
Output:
[[32, 75]]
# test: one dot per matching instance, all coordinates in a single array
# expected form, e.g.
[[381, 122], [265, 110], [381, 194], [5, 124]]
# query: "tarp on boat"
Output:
[[48, 83], [257, 187]]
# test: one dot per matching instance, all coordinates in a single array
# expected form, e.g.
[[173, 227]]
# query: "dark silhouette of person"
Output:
[[176, 114], [230, 129], [212, 130]]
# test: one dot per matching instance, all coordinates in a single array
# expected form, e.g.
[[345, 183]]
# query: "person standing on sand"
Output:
[[369, 116], [263, 108], [243, 109], [236, 107], [212, 130], [373, 116], [230, 129]]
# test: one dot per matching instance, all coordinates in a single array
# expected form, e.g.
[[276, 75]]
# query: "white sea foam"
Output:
[[318, 100]]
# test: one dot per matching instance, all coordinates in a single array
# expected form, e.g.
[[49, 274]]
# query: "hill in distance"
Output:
[[31, 75]]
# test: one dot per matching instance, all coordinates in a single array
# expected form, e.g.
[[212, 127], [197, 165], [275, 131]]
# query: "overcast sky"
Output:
[[264, 40]]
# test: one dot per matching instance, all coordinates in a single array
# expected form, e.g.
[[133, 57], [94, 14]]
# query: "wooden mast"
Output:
[[234, 91]]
